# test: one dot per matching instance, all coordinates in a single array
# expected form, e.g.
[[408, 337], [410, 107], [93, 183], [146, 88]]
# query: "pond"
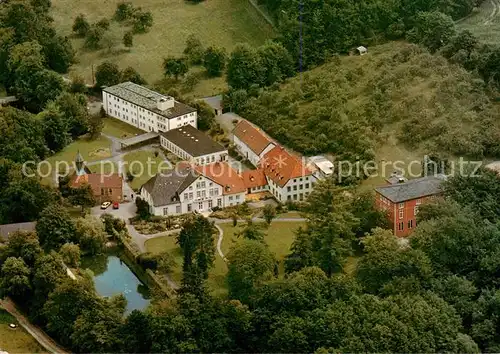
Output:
[[112, 276]]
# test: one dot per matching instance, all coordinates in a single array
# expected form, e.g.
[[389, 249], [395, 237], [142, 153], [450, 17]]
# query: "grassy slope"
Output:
[[485, 24], [279, 238], [119, 129], [16, 341], [142, 158], [216, 22]]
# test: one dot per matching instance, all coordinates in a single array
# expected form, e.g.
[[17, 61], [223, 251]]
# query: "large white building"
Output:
[[194, 188], [252, 143], [146, 109], [194, 146]]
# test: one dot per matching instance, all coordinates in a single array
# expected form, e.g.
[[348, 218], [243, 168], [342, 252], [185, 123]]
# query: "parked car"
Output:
[[105, 205], [116, 205]]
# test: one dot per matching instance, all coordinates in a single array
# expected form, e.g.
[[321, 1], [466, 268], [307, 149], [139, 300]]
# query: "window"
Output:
[[410, 224], [401, 214], [178, 209], [231, 198], [294, 188], [301, 196], [165, 211], [189, 207], [307, 185], [200, 206], [102, 191], [295, 197], [419, 201], [301, 186], [307, 178], [186, 195], [216, 191], [203, 185], [415, 210], [401, 226], [294, 180], [191, 195], [210, 204], [401, 205], [300, 179], [288, 189], [219, 202], [289, 197], [237, 197], [203, 194], [198, 194]]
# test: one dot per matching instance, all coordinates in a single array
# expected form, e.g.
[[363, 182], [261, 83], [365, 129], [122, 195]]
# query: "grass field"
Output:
[[91, 150], [119, 129], [216, 22], [485, 23], [279, 238], [134, 161], [16, 341]]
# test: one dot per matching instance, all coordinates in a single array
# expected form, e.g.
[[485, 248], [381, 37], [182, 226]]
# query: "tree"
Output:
[[82, 196], [214, 60], [103, 23], [198, 247], [94, 37], [48, 272], [90, 235], [194, 50], [175, 67], [107, 74], [96, 125], [206, 115], [130, 74], [24, 245], [55, 227], [277, 62], [55, 128], [74, 110], [70, 254], [81, 26], [301, 255], [124, 11], [143, 210], [244, 68], [369, 216], [78, 84], [434, 30], [250, 262], [251, 231], [128, 39], [136, 332], [142, 21], [15, 279], [59, 54], [269, 213]]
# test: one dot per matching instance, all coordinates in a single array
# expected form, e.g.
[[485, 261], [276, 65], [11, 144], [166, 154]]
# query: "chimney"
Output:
[[165, 103]]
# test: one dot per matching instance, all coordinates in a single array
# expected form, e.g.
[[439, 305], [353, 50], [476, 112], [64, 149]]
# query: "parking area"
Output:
[[124, 212]]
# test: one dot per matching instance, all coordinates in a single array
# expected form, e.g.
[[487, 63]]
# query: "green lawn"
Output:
[[485, 24], [134, 161], [16, 340], [119, 129], [279, 238], [91, 150], [223, 23]]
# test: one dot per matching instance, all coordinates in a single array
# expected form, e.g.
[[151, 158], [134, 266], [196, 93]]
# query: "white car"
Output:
[[105, 205]]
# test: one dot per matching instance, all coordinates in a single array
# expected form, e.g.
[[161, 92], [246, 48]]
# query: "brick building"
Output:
[[401, 200]]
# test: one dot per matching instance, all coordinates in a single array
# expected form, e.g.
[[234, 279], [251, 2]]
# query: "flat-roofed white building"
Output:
[[192, 145], [146, 109]]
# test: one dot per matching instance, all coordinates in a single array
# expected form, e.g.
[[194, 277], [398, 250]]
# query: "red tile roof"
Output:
[[281, 166], [97, 181], [254, 178], [222, 173], [253, 137]]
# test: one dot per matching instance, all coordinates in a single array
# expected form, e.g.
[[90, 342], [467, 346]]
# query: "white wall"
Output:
[[200, 160], [296, 189], [245, 151], [234, 199], [142, 118]]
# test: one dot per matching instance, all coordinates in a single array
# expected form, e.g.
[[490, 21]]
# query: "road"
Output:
[[41, 337]]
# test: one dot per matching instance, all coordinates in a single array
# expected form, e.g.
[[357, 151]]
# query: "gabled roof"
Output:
[[413, 189], [281, 166], [193, 141], [254, 178], [224, 175], [97, 181], [253, 137], [165, 188]]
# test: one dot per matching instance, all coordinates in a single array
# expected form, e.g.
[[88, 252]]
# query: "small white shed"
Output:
[[361, 50]]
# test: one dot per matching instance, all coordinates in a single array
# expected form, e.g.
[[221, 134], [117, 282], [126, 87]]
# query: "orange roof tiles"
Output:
[[97, 181], [223, 174], [254, 178], [254, 138], [281, 166]]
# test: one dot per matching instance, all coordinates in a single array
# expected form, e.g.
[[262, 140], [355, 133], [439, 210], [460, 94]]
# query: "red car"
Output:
[[116, 205]]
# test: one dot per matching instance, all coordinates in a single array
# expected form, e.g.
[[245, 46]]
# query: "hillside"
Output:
[[218, 22], [397, 96]]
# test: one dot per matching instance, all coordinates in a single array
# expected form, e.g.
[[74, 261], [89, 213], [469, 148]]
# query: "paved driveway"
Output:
[[125, 212]]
